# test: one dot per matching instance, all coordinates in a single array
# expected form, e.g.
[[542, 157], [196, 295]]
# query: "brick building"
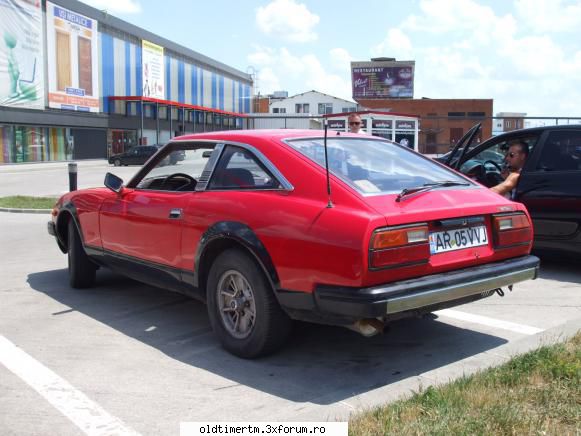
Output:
[[442, 121]]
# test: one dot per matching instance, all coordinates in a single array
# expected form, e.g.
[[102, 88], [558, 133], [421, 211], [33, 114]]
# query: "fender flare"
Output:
[[67, 209], [241, 234]]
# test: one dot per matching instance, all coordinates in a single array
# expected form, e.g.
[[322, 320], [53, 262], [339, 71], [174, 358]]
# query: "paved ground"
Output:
[[126, 356], [52, 178]]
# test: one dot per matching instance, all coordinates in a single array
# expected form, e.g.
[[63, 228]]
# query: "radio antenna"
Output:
[[330, 202]]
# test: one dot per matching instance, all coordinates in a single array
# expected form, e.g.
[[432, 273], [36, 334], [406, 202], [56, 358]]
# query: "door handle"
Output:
[[175, 214]]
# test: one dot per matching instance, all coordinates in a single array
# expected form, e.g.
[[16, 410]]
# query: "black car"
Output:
[[549, 184], [137, 155]]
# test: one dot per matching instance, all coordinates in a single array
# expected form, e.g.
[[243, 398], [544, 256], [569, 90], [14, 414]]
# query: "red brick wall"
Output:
[[434, 118]]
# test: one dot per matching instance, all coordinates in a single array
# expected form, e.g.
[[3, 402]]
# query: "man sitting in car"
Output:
[[515, 160]]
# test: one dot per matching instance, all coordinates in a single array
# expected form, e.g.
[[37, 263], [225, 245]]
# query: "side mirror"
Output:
[[113, 182]]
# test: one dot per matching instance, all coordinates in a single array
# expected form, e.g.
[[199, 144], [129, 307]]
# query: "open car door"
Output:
[[458, 152]]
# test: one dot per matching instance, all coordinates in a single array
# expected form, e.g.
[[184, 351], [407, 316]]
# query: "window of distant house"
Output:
[[348, 109], [302, 108], [508, 124], [279, 110], [325, 108]]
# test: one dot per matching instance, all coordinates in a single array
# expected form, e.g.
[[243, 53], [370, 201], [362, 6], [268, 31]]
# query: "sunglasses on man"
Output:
[[354, 123]]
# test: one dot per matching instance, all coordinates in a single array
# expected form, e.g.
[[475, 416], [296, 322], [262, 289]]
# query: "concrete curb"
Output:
[[15, 210]]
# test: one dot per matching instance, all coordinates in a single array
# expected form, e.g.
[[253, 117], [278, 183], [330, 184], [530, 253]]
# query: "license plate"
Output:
[[458, 239]]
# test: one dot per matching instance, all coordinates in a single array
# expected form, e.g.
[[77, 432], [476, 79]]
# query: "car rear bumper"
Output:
[[413, 294]]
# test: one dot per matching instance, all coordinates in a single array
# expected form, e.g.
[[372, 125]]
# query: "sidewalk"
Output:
[[38, 166], [51, 179]]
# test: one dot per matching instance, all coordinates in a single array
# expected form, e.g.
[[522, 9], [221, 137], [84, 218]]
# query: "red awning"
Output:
[[138, 98]]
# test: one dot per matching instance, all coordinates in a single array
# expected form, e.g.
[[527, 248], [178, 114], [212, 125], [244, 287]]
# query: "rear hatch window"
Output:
[[374, 166]]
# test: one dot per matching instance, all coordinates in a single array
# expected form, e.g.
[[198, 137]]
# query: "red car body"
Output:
[[301, 243]]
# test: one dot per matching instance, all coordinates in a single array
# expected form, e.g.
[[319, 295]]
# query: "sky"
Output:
[[523, 54]]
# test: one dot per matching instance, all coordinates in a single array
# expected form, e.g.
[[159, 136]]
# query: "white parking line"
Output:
[[91, 418], [491, 322]]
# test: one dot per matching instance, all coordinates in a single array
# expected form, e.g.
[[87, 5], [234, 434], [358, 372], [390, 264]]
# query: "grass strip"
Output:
[[537, 393], [26, 202]]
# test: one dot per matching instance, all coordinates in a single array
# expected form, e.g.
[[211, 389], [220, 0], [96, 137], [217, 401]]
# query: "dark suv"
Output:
[[549, 184], [137, 155]]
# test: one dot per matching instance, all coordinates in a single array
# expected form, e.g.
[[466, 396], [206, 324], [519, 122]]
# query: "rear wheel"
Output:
[[117, 162], [242, 308], [81, 270]]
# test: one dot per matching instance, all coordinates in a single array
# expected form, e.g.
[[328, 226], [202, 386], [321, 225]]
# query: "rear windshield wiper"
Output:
[[428, 187]]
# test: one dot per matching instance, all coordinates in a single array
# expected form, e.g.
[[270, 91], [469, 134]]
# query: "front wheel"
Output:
[[81, 270], [117, 162], [242, 308]]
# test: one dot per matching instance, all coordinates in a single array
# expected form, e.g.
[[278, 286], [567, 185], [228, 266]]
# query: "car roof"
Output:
[[278, 134], [538, 129]]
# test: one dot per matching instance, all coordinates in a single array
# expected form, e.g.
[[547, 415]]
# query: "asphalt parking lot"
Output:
[[126, 357]]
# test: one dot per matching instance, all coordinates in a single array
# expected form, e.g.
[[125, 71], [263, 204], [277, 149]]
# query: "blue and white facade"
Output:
[[199, 94]]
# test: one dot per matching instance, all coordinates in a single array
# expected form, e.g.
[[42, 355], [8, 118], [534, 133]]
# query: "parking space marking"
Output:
[[83, 412], [491, 322]]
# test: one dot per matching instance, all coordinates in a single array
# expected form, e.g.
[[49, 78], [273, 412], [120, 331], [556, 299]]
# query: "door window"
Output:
[[561, 152], [239, 169], [496, 153], [181, 174]]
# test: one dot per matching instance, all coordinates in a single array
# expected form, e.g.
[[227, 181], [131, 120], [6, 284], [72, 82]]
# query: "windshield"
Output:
[[375, 166]]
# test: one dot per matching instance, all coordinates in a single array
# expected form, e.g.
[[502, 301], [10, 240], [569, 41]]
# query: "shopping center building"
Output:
[[78, 83]]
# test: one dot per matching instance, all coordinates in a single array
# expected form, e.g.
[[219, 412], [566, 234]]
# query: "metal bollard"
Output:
[[72, 176]]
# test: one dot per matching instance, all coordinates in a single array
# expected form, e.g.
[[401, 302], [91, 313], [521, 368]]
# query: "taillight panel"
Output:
[[510, 230], [399, 246]]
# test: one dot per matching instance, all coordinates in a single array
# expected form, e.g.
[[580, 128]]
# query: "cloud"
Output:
[[116, 6], [466, 50], [267, 82], [397, 44], [542, 16], [340, 59], [287, 20], [301, 73]]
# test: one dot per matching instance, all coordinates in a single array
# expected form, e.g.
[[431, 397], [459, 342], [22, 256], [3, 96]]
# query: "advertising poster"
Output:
[[73, 60], [337, 124], [153, 68], [21, 54], [382, 79]]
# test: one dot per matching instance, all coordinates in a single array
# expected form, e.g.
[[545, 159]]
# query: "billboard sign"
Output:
[[153, 70], [73, 60], [385, 79], [21, 54]]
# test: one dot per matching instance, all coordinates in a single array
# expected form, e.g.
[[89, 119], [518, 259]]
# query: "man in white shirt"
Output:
[[355, 123]]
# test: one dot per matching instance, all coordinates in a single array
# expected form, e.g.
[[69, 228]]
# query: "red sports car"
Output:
[[273, 225]]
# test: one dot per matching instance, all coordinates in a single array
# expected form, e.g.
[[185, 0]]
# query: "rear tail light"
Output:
[[511, 230], [399, 246]]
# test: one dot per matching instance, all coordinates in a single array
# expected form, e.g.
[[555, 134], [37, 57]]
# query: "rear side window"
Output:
[[561, 152], [239, 169], [375, 166]]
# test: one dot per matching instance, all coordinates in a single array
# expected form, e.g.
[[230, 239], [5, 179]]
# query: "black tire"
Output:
[[117, 162], [81, 270], [270, 325]]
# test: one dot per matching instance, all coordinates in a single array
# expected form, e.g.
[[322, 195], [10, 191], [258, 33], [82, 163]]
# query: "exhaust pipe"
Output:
[[367, 327]]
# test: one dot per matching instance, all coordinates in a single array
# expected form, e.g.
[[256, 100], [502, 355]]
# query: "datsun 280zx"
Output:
[[272, 226]]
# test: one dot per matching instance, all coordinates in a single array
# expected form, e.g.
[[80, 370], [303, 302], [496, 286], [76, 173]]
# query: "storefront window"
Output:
[[34, 144]]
